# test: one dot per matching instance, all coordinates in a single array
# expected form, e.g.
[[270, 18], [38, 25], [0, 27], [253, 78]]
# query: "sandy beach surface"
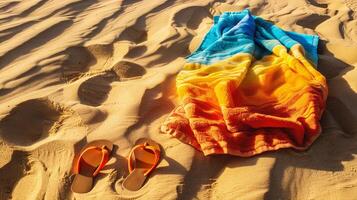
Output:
[[74, 71]]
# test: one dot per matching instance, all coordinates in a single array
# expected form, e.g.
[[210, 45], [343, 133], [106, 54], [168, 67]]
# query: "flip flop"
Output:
[[91, 160], [142, 160]]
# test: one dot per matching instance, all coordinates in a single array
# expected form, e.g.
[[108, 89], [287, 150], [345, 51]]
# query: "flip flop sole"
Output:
[[135, 180], [81, 183]]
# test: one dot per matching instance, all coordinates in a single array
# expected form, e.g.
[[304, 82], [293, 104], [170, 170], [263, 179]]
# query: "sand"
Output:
[[74, 71]]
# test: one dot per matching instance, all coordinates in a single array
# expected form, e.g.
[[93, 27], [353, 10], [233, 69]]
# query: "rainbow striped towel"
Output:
[[250, 87]]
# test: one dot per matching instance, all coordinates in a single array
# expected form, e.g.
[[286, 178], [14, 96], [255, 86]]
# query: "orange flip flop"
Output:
[[142, 160], [91, 160]]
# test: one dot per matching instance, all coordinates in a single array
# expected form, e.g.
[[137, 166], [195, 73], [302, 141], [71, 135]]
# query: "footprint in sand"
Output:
[[81, 60], [30, 121], [95, 90], [22, 178], [76, 62], [126, 70]]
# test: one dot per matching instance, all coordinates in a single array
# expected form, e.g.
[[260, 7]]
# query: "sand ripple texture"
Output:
[[73, 71]]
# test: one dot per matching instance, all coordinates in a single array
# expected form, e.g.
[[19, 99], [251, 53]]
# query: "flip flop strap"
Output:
[[104, 158], [157, 157], [144, 147]]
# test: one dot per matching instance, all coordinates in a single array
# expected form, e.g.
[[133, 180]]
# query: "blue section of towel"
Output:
[[240, 32]]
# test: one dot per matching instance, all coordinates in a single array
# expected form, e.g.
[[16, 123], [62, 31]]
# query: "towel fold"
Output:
[[250, 87]]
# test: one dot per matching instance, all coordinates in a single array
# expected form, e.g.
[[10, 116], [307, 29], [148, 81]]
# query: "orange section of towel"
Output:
[[243, 107]]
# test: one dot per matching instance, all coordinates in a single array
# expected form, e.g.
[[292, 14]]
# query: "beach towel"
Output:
[[250, 87]]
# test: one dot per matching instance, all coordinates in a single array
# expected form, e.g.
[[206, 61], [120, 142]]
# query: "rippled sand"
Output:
[[73, 71]]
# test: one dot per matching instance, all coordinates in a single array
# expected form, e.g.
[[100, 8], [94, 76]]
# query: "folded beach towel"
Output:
[[250, 87]]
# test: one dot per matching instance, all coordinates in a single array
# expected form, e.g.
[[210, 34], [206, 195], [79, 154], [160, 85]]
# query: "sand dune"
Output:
[[73, 71]]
